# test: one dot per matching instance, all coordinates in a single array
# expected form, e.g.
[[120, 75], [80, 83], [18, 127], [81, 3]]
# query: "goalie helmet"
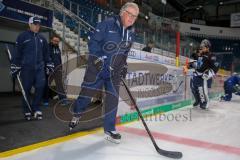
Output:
[[205, 43]]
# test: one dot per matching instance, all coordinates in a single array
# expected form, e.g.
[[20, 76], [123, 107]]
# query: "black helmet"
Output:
[[205, 43]]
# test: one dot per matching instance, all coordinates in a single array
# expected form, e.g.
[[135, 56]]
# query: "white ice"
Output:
[[220, 125]]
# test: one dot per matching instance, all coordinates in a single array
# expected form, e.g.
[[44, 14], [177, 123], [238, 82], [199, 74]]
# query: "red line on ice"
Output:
[[182, 140]]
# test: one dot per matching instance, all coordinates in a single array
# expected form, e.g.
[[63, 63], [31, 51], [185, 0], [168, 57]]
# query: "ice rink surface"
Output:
[[198, 134]]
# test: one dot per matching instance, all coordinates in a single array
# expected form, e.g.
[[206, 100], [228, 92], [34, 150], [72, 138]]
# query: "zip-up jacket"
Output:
[[111, 42], [32, 50]]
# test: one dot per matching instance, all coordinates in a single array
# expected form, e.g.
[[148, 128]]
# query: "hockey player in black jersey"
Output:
[[205, 67]]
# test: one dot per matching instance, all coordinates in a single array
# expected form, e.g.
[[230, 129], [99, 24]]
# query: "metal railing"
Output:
[[59, 7]]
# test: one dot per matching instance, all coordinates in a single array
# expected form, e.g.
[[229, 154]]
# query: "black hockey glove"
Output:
[[49, 68], [14, 70]]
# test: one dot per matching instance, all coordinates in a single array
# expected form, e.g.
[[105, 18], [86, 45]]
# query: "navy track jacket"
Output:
[[32, 50], [111, 41]]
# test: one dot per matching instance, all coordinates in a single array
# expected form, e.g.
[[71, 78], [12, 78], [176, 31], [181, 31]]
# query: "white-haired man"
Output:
[[108, 49]]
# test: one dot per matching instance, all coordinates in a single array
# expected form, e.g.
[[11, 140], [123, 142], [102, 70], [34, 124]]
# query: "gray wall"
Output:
[[5, 79]]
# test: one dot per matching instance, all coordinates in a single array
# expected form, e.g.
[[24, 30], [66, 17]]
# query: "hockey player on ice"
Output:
[[205, 67], [231, 85], [108, 49]]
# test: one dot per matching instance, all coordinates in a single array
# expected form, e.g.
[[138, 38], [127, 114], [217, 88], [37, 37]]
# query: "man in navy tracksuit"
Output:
[[30, 61], [232, 84], [205, 67], [55, 55], [108, 49]]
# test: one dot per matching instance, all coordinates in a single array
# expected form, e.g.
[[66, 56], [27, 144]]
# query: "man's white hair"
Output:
[[127, 5]]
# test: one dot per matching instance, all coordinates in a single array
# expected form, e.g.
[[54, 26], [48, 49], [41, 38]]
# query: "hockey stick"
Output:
[[170, 154], [178, 87], [65, 76], [19, 81]]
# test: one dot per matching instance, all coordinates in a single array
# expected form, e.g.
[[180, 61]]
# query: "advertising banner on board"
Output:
[[21, 11]]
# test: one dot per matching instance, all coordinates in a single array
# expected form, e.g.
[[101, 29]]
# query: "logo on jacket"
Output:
[[2, 6], [112, 31], [110, 46]]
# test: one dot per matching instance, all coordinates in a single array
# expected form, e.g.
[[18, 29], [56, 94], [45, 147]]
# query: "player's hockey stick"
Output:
[[178, 87], [19, 80], [170, 154]]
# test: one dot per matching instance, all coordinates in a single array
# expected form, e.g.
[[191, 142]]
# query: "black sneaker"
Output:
[[38, 115], [113, 136], [28, 116], [74, 122]]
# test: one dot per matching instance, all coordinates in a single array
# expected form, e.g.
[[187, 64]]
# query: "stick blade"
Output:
[[170, 154]]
